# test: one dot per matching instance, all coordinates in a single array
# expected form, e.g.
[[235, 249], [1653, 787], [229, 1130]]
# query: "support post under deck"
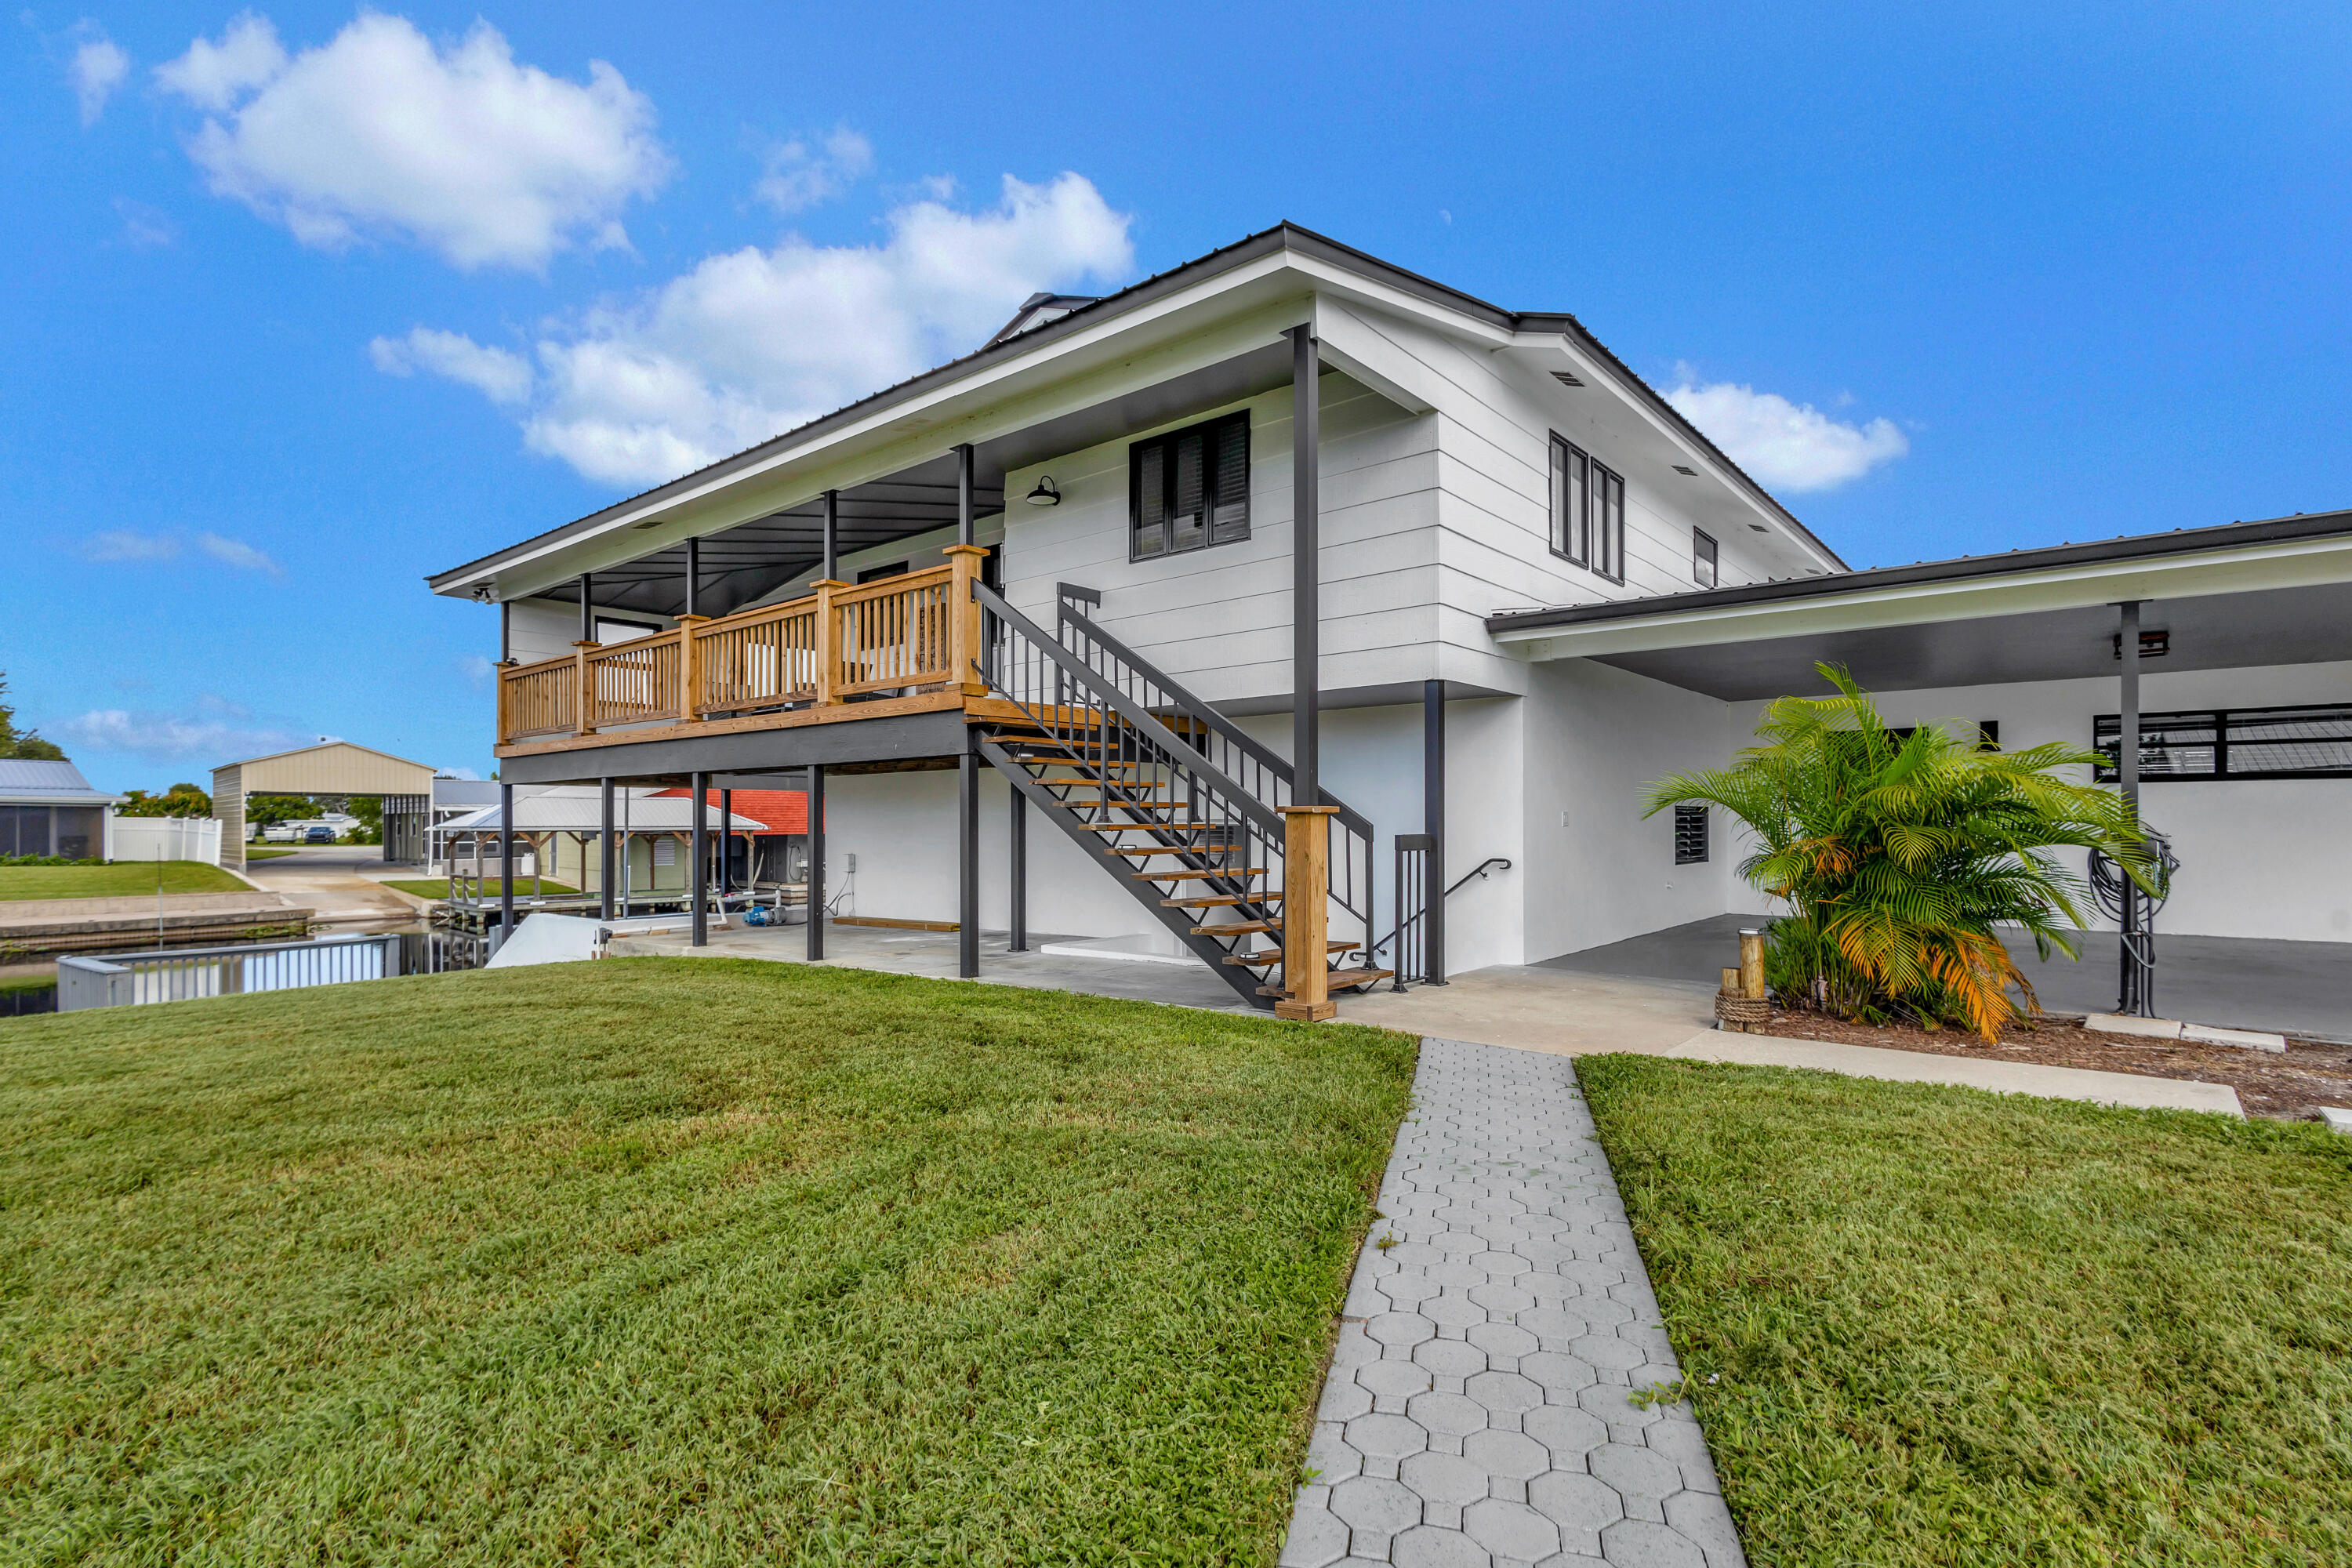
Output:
[[505, 862], [1017, 881], [968, 862], [816, 873], [697, 885], [605, 854]]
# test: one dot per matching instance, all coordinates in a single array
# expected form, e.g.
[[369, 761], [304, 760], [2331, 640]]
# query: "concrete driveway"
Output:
[[340, 881]]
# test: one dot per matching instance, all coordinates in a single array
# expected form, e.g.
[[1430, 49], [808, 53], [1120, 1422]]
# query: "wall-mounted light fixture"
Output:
[[1044, 494]]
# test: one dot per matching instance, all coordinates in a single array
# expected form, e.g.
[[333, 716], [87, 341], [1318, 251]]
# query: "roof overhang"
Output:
[[1082, 377], [2277, 592]]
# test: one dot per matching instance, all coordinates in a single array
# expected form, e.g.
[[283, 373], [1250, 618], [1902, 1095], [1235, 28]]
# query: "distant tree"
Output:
[[369, 809], [261, 810], [23, 744], [180, 800]]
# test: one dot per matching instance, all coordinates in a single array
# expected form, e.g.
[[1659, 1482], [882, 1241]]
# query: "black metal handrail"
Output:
[[1479, 870]]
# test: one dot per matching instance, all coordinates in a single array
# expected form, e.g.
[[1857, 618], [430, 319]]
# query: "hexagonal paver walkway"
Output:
[[1479, 1410]]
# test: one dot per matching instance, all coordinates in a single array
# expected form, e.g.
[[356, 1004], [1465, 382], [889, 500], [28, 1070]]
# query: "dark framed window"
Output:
[[1587, 511], [2310, 742], [1702, 559], [1190, 488], [1690, 834]]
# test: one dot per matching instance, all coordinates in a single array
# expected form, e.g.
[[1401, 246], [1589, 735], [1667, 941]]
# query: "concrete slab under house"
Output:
[[1320, 623]]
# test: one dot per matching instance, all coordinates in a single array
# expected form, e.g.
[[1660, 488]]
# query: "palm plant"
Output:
[[1898, 855]]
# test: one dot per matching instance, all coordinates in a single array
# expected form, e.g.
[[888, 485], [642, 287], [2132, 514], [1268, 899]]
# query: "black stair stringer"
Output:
[[1180, 923]]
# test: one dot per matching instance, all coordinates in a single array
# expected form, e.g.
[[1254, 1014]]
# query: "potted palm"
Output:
[[1898, 855]]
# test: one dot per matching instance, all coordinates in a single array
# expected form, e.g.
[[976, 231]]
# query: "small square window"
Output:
[[1690, 834], [1702, 559]]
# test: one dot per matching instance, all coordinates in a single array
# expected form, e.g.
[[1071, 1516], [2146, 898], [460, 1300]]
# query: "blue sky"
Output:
[[2037, 273]]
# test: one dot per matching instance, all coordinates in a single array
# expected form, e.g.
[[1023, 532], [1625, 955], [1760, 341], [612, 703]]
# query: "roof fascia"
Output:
[[1850, 606]]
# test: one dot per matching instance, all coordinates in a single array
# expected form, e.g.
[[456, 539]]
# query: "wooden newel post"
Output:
[[507, 725], [690, 673], [963, 619], [1307, 913], [823, 588], [584, 704]]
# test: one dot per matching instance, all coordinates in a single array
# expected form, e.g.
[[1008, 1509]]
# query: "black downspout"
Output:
[[506, 863], [815, 874], [1017, 835], [968, 862], [604, 869], [1432, 814], [697, 887]]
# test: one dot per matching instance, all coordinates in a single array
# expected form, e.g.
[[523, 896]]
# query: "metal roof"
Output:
[[1284, 236], [27, 782], [2124, 548], [579, 808]]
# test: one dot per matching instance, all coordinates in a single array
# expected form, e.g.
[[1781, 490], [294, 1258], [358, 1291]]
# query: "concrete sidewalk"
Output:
[[1568, 1013]]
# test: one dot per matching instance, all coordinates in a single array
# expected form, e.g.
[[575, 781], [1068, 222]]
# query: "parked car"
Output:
[[281, 833], [318, 833]]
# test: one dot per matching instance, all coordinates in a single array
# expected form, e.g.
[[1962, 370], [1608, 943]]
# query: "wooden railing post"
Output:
[[584, 693], [507, 726], [1307, 913], [826, 653], [963, 619], [689, 672]]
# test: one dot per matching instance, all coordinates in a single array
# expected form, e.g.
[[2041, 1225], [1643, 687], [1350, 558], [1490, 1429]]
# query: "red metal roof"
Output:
[[784, 810]]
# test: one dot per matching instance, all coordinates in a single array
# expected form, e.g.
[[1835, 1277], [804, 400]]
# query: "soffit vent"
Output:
[[1691, 473], [1565, 379]]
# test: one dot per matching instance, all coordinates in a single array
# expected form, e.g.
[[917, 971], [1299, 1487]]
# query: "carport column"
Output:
[[1432, 822], [505, 862], [697, 885], [604, 853], [1017, 835], [968, 860], [2134, 999], [815, 874]]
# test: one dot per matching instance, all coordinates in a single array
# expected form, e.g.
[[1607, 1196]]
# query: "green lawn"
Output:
[[439, 886], [251, 853], [672, 1260], [125, 879], [1956, 1328]]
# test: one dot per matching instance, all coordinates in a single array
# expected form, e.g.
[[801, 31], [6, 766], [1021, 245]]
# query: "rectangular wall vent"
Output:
[[1690, 834], [1565, 379], [1680, 469]]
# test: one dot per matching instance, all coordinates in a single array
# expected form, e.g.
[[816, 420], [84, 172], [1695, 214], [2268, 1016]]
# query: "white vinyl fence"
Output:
[[166, 838]]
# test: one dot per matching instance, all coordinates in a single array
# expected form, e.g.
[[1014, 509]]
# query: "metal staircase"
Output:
[[1167, 794]]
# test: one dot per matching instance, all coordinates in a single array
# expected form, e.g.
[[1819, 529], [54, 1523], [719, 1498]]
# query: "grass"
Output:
[[122, 879], [251, 853], [672, 1260], [439, 886], [44, 982], [1956, 1328]]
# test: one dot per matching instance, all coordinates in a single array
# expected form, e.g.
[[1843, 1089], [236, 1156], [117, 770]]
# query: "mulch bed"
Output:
[[2286, 1087]]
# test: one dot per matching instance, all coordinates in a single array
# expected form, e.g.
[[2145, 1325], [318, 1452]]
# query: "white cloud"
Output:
[[1785, 446], [380, 132], [468, 774], [237, 554], [477, 669], [499, 374], [796, 175], [97, 67], [212, 734], [143, 226], [752, 342], [128, 544]]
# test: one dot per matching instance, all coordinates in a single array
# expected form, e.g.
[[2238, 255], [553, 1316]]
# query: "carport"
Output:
[[331, 767]]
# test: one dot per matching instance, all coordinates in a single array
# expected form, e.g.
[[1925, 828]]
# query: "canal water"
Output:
[[31, 988]]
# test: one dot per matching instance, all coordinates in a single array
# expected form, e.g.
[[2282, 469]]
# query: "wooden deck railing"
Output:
[[901, 634]]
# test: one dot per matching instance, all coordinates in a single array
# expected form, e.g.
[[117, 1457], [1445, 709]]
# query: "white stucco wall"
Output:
[[2260, 857]]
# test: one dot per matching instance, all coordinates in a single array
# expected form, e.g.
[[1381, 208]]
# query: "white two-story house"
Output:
[[1056, 584]]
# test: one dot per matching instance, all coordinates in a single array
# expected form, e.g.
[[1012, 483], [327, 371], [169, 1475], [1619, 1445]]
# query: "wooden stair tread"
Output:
[[1237, 928], [1143, 827], [1273, 954], [1340, 980], [1195, 876], [1220, 899]]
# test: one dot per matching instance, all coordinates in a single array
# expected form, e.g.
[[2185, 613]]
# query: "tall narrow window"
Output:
[[1702, 559], [1587, 511], [1190, 488]]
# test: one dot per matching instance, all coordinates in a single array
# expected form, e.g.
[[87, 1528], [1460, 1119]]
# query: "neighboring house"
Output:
[[48, 808], [408, 818], [1055, 580], [775, 854], [558, 832]]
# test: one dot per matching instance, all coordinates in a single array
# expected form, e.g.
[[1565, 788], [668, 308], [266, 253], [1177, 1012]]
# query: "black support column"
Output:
[[968, 863], [2134, 999], [817, 848], [1306, 568], [726, 843], [827, 562], [505, 862], [587, 610], [1017, 882], [964, 518], [697, 887], [1433, 821], [605, 865], [693, 573]]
